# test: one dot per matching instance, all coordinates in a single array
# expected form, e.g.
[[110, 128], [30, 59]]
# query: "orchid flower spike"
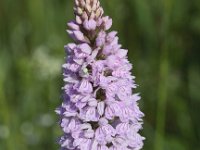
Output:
[[99, 110]]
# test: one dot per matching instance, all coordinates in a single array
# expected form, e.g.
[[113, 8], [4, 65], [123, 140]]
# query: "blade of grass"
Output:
[[163, 80]]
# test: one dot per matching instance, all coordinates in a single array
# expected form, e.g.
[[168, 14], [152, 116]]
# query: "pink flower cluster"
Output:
[[99, 110]]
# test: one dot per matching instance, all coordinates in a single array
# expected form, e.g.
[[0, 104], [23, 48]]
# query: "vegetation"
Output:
[[163, 41]]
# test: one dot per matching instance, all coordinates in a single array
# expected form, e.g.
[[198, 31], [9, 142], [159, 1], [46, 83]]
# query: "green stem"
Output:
[[4, 107], [163, 80], [162, 100]]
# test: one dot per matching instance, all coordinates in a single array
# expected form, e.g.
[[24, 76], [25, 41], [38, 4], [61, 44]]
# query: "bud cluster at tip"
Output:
[[99, 109], [87, 10]]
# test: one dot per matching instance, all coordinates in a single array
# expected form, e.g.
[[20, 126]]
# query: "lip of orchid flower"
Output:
[[99, 110]]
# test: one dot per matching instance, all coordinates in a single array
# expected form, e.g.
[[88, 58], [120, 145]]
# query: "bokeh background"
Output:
[[163, 38]]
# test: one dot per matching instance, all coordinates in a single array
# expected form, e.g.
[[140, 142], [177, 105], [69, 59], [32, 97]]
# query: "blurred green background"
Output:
[[163, 38]]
